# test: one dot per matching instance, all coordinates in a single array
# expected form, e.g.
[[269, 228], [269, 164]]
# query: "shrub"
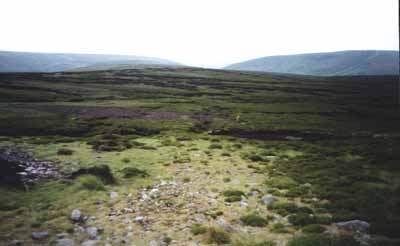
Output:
[[64, 151], [233, 195], [167, 240], [225, 154], [129, 172], [91, 182], [218, 236], [284, 208], [254, 220], [198, 229], [313, 228], [301, 219], [186, 179], [227, 179], [323, 240], [228, 193], [126, 160]]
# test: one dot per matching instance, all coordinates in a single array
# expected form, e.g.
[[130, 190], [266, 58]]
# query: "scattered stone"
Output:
[[91, 243], [236, 182], [39, 235], [154, 193], [354, 225], [144, 197], [16, 243], [76, 215], [153, 243], [113, 195], [224, 225], [65, 242], [92, 232], [243, 203], [268, 199], [139, 219]]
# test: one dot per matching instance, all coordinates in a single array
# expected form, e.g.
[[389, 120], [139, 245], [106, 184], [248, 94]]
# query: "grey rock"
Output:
[[39, 235], [268, 199], [139, 219], [354, 225], [224, 225], [76, 215], [113, 195], [65, 242], [92, 232]]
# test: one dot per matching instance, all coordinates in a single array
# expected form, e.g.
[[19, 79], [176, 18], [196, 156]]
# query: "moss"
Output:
[[253, 219], [217, 236], [198, 229], [91, 182]]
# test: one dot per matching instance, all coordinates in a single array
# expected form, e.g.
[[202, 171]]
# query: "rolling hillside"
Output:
[[372, 62], [55, 62]]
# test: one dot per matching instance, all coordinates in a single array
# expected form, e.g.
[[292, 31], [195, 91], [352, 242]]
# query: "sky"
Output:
[[210, 33]]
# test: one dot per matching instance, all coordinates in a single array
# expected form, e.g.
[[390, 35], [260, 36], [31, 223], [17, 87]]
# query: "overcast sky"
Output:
[[198, 32]]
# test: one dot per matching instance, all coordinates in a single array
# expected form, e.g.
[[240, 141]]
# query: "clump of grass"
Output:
[[217, 236], [65, 151], [282, 183], [225, 154], [90, 182], [215, 146], [301, 219], [279, 228], [233, 195], [253, 219], [130, 172], [126, 160], [255, 158], [167, 240], [198, 229], [101, 171], [248, 241], [313, 228], [186, 179], [227, 179]]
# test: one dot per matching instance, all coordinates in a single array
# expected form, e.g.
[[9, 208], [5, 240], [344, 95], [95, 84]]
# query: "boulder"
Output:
[[76, 215], [268, 199], [353, 225], [92, 232], [40, 235]]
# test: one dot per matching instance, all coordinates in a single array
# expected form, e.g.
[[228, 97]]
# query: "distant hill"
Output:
[[368, 62], [125, 65], [55, 62]]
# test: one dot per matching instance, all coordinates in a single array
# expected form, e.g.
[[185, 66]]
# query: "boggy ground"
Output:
[[197, 155]]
